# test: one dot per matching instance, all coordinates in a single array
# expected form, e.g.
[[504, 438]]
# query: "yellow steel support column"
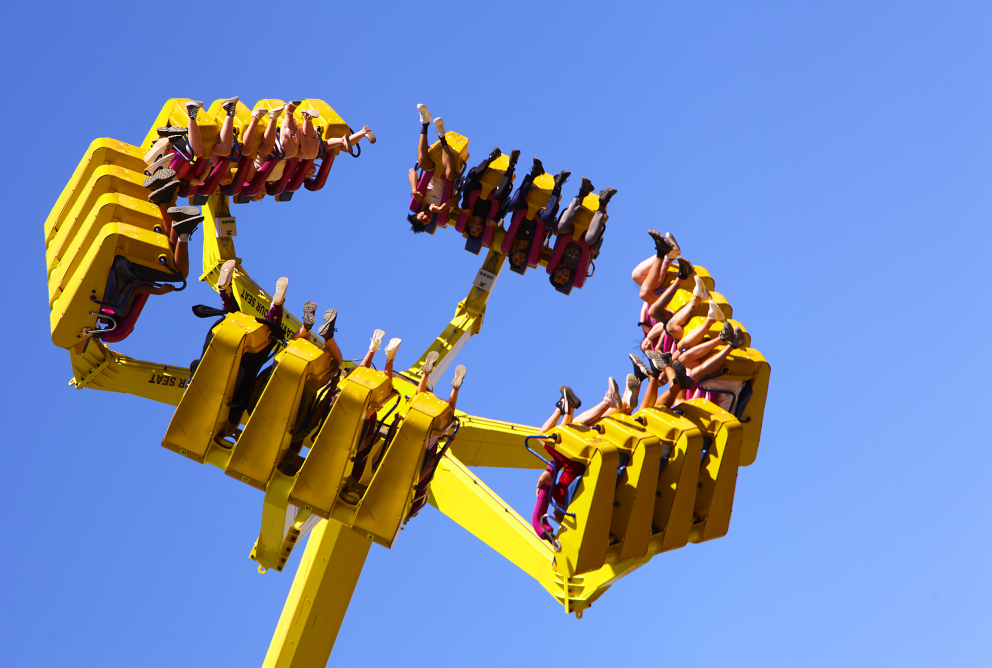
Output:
[[319, 598]]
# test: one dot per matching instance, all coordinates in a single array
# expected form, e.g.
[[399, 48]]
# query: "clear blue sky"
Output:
[[827, 162]]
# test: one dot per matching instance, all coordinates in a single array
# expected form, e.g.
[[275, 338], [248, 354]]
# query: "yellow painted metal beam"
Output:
[[319, 598]]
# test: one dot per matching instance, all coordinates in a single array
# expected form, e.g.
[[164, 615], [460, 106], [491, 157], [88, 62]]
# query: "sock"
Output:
[[423, 130], [444, 142], [183, 238]]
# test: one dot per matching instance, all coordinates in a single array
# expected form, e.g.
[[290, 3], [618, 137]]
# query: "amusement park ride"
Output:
[[653, 481]]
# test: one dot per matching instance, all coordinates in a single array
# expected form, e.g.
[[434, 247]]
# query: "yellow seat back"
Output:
[[585, 537], [100, 153], [108, 208], [331, 123], [633, 507], [242, 117], [323, 472], [206, 405], [583, 218], [268, 432], [539, 194], [386, 503], [676, 489], [174, 113], [73, 310], [457, 143], [493, 175], [723, 435]]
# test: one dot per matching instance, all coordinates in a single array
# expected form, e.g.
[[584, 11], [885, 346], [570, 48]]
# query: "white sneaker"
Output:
[[162, 162], [715, 313], [676, 251], [701, 290], [280, 296], [376, 340], [310, 113], [258, 113], [425, 116], [226, 274], [439, 126], [429, 362], [392, 348], [612, 396], [459, 378], [631, 391], [158, 150]]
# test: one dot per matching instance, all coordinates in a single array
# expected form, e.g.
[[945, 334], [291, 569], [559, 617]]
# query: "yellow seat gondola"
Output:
[[322, 476], [76, 311], [202, 418], [298, 371]]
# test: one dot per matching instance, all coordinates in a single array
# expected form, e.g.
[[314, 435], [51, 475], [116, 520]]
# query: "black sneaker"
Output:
[[230, 107], [172, 131], [604, 196], [681, 379], [727, 333], [685, 269], [159, 179], [201, 311], [166, 193], [642, 370], [537, 169], [181, 213], [327, 329], [309, 315], [561, 177], [568, 398], [739, 341], [585, 188], [188, 226], [514, 156], [661, 245], [495, 154]]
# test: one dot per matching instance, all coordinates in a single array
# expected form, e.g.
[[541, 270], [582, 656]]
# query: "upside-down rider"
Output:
[[432, 202]]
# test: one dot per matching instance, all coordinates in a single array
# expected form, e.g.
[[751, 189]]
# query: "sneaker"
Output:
[[166, 193], [258, 113], [392, 347], [700, 290], [642, 370], [327, 329], [439, 126], [377, 336], [495, 153], [676, 250], [715, 313], [187, 225], [537, 169], [585, 188], [739, 340], [685, 269], [459, 378], [369, 134], [159, 179], [230, 106], [561, 177], [605, 195], [192, 108], [660, 361], [310, 113], [180, 213], [631, 391], [161, 163], [293, 104], [569, 402], [661, 245], [612, 396], [727, 333], [681, 377], [429, 362], [280, 296], [172, 131], [309, 315], [226, 275], [275, 113], [514, 156], [425, 116], [568, 399], [158, 149]]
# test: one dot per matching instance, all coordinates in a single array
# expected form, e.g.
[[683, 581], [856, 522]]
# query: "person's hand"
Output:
[[543, 481], [417, 195], [167, 288], [434, 208]]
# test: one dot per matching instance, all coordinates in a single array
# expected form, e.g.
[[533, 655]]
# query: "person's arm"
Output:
[[413, 185], [543, 481], [447, 206], [152, 290]]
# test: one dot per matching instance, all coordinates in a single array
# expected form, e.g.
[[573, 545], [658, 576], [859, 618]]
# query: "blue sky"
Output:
[[827, 162]]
